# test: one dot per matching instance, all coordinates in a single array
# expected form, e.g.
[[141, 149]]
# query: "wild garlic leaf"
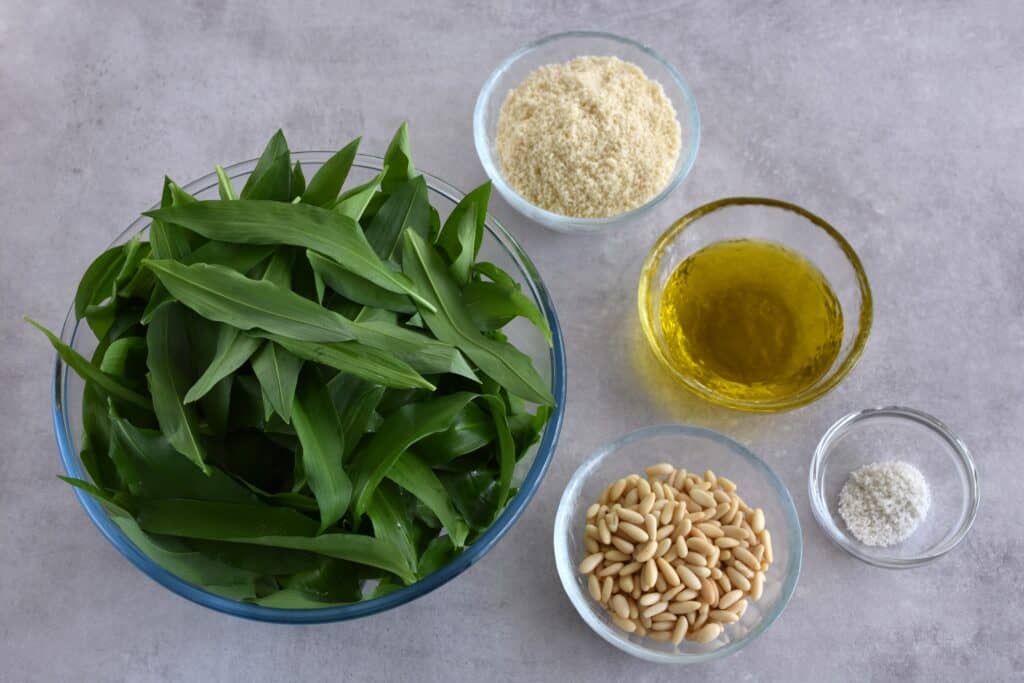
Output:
[[278, 374], [452, 323], [353, 202], [398, 160], [391, 521], [271, 178], [97, 285], [492, 306], [326, 183], [225, 189], [233, 349], [413, 475], [323, 446], [463, 231], [362, 361], [472, 430], [258, 222], [406, 209], [298, 182], [170, 376], [355, 288], [90, 373]]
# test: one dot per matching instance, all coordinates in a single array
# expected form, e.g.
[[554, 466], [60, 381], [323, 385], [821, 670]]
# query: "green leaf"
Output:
[[170, 375], [323, 446], [439, 552], [463, 231], [125, 358], [355, 401], [452, 323], [257, 559], [223, 295], [476, 494], [224, 187], [326, 183], [398, 160], [89, 372], [408, 208], [268, 526], [97, 285], [506, 449], [417, 478], [423, 353], [240, 257], [391, 521], [169, 241], [352, 203], [298, 185], [358, 359], [260, 222], [332, 581], [400, 430], [492, 306], [357, 289], [271, 179], [278, 373], [473, 429], [233, 349]]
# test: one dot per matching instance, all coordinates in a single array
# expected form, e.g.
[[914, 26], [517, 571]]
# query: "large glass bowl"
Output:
[[696, 449], [780, 223], [498, 247], [558, 49]]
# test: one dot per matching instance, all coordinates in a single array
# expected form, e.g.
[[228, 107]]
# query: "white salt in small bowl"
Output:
[[894, 433]]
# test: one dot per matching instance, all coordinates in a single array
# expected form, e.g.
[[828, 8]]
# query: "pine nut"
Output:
[[591, 545], [650, 575], [702, 572], [661, 585], [679, 631], [710, 477], [745, 556], [632, 516], [707, 633], [671, 593], [631, 568], [723, 583], [594, 587], [716, 573], [739, 608], [723, 616], [604, 533], [678, 479], [610, 569], [757, 521], [634, 612], [721, 496], [625, 582], [651, 525], [683, 608], [708, 592], [626, 625], [646, 551], [636, 592], [725, 555], [711, 530], [679, 515], [666, 515], [623, 545], [590, 531], [664, 532], [686, 594], [729, 598], [646, 503], [606, 589], [757, 586], [590, 563], [671, 555], [613, 522], [688, 577], [633, 532], [619, 605], [701, 546], [662, 469], [722, 510], [692, 618], [648, 599], [658, 488], [663, 546], [643, 487], [669, 573], [702, 616], [684, 526], [743, 569], [614, 555], [766, 541], [631, 498], [618, 488], [726, 484], [592, 511], [702, 498], [660, 636], [663, 627], [738, 580], [737, 532], [695, 558], [726, 542], [656, 608]]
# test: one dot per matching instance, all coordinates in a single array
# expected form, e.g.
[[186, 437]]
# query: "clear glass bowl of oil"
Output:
[[755, 304]]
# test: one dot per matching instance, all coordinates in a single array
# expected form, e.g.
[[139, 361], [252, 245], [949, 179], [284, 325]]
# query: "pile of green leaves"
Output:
[[301, 395]]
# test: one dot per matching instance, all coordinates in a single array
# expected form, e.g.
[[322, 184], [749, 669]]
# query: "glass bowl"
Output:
[[876, 434], [696, 449], [498, 247], [767, 220], [558, 49]]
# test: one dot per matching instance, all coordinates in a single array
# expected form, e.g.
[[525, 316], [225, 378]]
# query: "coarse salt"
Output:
[[883, 503]]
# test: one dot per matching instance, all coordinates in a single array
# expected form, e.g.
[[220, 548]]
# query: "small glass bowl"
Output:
[[558, 49], [909, 435], [768, 220], [697, 449]]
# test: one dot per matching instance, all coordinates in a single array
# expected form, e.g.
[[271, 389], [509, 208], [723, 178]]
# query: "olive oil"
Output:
[[750, 320]]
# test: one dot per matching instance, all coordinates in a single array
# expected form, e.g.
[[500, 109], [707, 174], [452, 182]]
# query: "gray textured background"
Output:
[[901, 123]]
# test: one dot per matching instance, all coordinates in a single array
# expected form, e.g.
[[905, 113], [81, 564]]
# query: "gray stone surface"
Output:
[[903, 123]]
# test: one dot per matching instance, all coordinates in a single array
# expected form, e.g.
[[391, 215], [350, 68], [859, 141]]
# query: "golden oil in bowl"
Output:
[[750, 320]]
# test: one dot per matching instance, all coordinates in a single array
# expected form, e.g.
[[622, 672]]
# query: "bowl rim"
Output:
[[864, 320], [688, 150], [816, 484], [472, 554], [566, 566]]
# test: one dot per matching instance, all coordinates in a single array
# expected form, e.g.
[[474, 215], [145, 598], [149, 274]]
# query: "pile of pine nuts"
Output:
[[675, 555]]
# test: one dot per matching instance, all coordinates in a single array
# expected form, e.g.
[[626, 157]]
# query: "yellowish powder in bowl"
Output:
[[591, 138]]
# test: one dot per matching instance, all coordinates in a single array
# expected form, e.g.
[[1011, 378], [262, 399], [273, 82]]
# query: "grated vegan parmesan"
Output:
[[591, 138], [883, 503]]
